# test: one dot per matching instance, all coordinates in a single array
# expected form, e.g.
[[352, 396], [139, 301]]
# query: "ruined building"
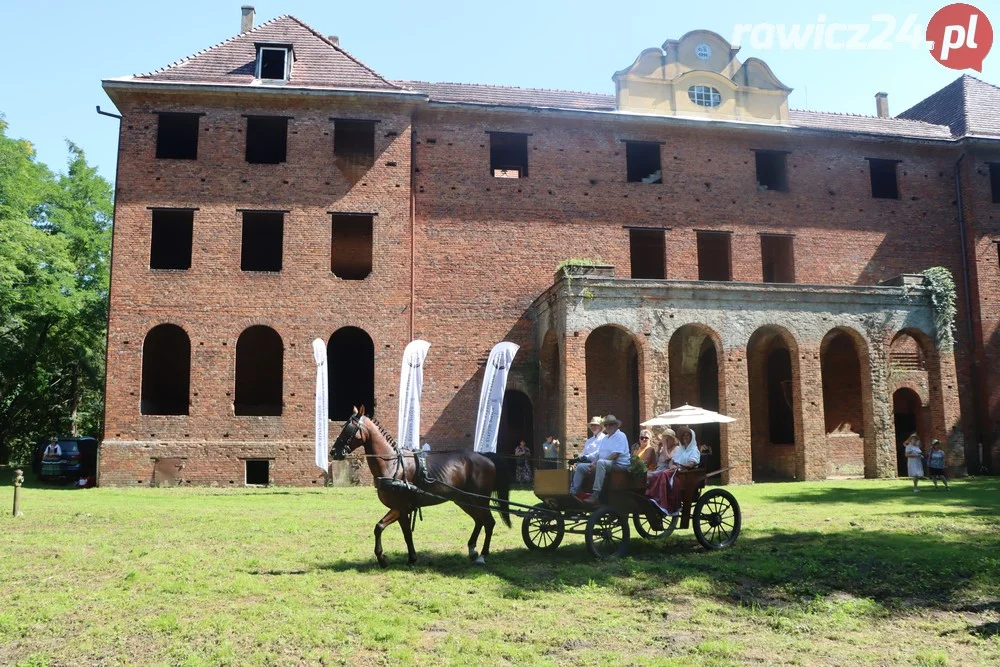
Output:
[[729, 252]]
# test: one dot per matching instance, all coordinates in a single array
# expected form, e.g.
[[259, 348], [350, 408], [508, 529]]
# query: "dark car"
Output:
[[79, 459]]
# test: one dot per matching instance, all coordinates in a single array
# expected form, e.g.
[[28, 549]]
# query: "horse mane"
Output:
[[383, 431]]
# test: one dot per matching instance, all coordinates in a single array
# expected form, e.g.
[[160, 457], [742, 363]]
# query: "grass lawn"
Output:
[[858, 572]]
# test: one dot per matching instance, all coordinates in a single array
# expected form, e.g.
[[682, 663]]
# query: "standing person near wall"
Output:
[[523, 454], [914, 460], [936, 463], [550, 452]]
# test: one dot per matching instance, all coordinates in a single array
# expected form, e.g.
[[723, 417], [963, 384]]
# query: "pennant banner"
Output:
[[491, 396], [411, 383], [322, 406]]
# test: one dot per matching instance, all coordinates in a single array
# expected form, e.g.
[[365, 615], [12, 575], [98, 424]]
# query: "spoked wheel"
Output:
[[607, 533], [642, 526], [717, 519], [542, 529]]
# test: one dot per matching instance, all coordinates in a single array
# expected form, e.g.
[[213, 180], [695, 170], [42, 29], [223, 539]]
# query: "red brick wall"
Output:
[[484, 247]]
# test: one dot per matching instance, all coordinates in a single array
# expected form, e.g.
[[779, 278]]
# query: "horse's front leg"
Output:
[[489, 522], [407, 528], [390, 516]]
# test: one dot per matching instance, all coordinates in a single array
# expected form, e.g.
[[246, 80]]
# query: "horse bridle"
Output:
[[341, 447]]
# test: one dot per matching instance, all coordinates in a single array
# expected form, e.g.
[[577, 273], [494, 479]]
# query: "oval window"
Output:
[[705, 96]]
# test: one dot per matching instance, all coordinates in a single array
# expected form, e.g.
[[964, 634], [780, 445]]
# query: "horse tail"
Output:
[[502, 488]]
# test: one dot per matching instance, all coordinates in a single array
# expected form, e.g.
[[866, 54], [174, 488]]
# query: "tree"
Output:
[[54, 251]]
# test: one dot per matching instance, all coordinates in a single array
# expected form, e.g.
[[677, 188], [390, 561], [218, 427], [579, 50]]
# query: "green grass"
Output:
[[835, 573]]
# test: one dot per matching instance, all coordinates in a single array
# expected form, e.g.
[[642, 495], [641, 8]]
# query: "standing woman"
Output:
[[52, 459], [523, 455], [914, 460], [935, 464]]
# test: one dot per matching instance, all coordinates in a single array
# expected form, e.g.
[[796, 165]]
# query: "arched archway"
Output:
[[516, 424], [908, 416], [613, 381], [694, 352], [550, 386], [845, 394], [775, 416], [259, 370], [351, 360], [166, 371]]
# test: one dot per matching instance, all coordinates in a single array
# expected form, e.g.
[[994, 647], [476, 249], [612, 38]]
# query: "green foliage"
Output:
[[55, 237], [637, 466], [577, 261], [942, 288]]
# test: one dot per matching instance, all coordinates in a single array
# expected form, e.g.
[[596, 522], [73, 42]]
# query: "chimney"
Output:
[[246, 20], [882, 105], [334, 39]]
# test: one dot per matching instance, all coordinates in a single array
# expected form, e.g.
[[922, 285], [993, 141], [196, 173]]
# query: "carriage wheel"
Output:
[[607, 533], [642, 526], [717, 519], [542, 529]]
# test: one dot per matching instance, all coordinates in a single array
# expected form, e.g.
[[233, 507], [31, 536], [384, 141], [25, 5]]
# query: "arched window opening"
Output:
[[166, 371], [259, 369], [613, 377], [351, 359]]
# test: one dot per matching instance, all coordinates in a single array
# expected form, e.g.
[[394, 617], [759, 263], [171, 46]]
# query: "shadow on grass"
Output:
[[31, 481], [984, 494], [896, 570]]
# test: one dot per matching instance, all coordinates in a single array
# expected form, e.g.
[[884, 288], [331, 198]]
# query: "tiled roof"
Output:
[[563, 99], [318, 62], [857, 124], [970, 107], [509, 96]]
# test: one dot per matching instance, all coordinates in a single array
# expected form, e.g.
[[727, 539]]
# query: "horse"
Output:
[[466, 478]]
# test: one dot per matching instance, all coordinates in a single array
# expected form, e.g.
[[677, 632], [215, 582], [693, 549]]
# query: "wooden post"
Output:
[[18, 481]]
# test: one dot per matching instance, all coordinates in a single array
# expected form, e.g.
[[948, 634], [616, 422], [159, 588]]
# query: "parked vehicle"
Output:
[[79, 459]]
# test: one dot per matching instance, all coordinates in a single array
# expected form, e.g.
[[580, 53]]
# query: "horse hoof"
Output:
[[411, 561], [473, 555], [479, 561], [383, 562]]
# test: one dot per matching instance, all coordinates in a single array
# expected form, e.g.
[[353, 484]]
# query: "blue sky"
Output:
[[65, 48]]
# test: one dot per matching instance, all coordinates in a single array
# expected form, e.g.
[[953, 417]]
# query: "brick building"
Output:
[[740, 255]]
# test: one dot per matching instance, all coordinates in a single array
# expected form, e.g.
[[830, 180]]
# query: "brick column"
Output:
[[735, 402], [880, 440], [811, 445], [574, 384], [946, 415]]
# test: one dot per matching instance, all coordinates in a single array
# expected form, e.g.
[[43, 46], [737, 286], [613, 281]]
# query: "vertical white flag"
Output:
[[491, 396], [411, 383], [322, 406]]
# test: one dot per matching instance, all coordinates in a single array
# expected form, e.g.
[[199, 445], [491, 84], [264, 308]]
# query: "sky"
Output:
[[65, 49]]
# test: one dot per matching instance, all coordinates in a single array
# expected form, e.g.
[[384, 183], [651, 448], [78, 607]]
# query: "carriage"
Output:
[[714, 514]]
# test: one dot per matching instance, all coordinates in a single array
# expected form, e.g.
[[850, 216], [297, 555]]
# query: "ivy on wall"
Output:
[[939, 282]]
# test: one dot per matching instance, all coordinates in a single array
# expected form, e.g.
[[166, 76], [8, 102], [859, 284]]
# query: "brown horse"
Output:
[[466, 478]]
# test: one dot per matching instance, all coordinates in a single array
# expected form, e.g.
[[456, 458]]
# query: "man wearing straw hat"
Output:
[[613, 453]]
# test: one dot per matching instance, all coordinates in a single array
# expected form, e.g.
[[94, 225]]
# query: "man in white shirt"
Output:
[[687, 454], [589, 454], [613, 452]]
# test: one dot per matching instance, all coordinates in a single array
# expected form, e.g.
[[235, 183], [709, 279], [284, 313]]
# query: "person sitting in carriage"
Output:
[[612, 453], [674, 454]]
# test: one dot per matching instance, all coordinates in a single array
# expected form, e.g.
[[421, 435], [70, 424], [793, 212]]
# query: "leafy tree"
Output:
[[55, 237]]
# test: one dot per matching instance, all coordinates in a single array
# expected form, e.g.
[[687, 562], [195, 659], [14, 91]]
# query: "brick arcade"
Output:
[[743, 256]]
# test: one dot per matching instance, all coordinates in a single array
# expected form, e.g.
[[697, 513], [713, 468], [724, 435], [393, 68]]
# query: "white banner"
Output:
[[491, 396], [411, 383], [322, 406]]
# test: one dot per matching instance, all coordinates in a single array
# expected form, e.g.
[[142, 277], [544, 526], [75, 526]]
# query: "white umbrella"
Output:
[[688, 415]]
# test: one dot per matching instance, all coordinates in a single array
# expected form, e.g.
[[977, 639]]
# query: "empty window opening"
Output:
[[170, 239], [259, 364], [772, 173], [353, 146], [351, 246], [258, 473], [995, 181], [714, 256], [177, 136], [262, 241], [273, 63], [642, 161], [351, 358], [267, 139], [508, 155], [166, 371], [781, 421], [647, 253], [883, 174], [778, 258]]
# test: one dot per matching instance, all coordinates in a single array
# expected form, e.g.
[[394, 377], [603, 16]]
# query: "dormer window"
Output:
[[705, 96], [274, 62]]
